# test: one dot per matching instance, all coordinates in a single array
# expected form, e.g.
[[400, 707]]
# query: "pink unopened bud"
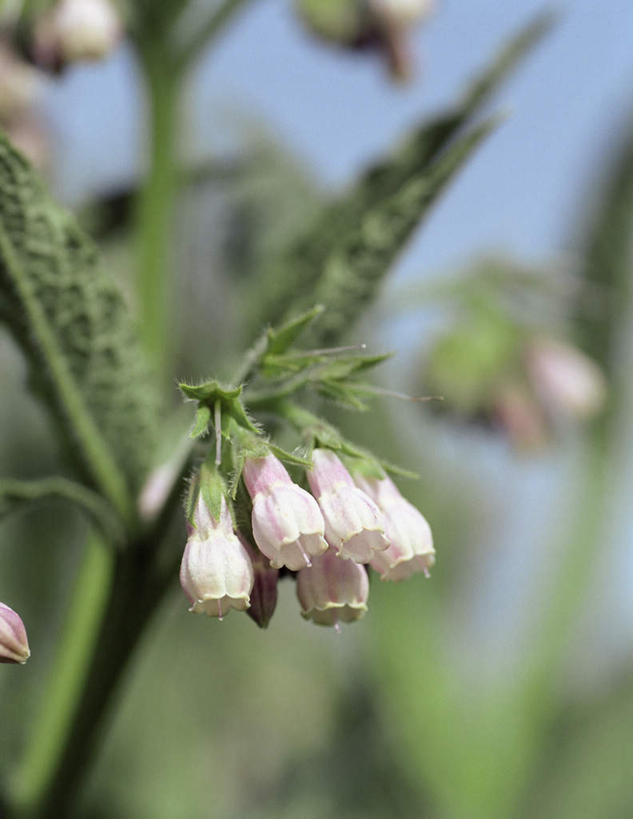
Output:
[[401, 12], [521, 416], [354, 525], [77, 30], [332, 590], [287, 523], [264, 593], [566, 380], [410, 541], [216, 572], [14, 645]]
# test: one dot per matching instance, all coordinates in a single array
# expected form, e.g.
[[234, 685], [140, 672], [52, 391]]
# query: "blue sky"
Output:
[[338, 112]]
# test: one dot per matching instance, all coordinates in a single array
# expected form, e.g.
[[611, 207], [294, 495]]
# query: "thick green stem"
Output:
[[51, 729], [49, 786], [156, 208]]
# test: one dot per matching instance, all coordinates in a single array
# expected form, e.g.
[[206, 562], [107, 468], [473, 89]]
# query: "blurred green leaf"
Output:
[[607, 247], [71, 323], [299, 268], [356, 267], [16, 495], [584, 772]]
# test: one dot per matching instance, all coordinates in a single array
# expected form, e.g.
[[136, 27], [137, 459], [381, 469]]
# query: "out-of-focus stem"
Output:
[[51, 728], [156, 207]]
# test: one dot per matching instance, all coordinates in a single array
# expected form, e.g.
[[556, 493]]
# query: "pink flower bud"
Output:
[[287, 523], [566, 380], [77, 30], [332, 590], [354, 525], [264, 593], [401, 12], [410, 541], [14, 645], [216, 572]]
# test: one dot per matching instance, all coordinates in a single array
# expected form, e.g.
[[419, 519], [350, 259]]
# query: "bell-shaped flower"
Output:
[[354, 525], [216, 572], [401, 12], [410, 540], [567, 381], [77, 30], [288, 526], [332, 590], [14, 645]]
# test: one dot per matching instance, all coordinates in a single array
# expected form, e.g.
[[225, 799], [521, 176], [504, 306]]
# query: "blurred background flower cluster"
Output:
[[502, 687]]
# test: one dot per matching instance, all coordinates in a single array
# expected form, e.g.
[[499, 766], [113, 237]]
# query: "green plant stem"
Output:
[[51, 729], [69, 733], [156, 208]]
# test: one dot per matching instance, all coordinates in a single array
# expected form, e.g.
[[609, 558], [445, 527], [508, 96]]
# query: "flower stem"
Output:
[[52, 727], [156, 207]]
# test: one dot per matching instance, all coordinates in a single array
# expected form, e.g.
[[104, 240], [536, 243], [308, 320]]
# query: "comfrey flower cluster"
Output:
[[327, 538], [337, 517]]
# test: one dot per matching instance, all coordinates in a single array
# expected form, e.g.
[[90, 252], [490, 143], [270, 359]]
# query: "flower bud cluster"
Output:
[[327, 537]]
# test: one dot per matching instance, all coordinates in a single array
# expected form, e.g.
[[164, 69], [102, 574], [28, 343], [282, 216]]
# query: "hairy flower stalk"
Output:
[[410, 540], [354, 525], [216, 572], [332, 590], [288, 526], [14, 645]]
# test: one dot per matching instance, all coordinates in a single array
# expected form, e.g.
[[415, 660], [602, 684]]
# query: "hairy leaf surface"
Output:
[[299, 268], [70, 320]]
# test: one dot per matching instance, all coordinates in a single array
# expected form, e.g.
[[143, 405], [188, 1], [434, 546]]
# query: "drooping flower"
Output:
[[14, 645], [401, 12], [216, 572], [332, 590], [77, 30], [566, 380], [354, 525], [410, 540], [288, 526], [264, 592]]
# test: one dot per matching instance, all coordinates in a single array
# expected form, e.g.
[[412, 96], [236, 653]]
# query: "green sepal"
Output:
[[281, 338], [210, 392], [212, 489], [244, 444], [343, 394], [368, 466], [394, 469], [201, 424], [290, 457]]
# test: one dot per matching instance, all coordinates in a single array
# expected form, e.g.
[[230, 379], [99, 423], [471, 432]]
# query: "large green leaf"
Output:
[[607, 268], [71, 322], [357, 265], [298, 269]]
